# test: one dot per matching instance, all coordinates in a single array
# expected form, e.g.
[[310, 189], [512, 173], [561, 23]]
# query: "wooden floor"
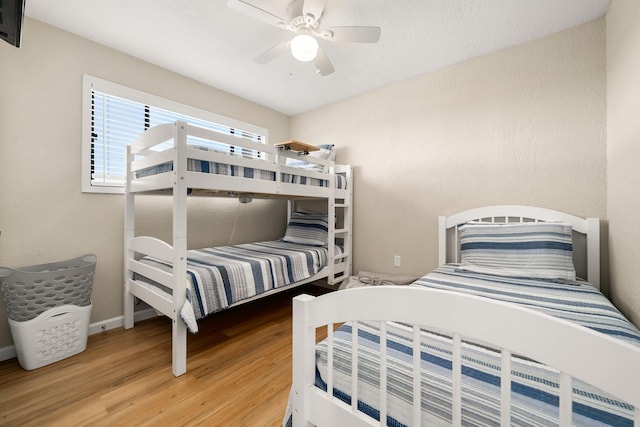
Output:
[[238, 374]]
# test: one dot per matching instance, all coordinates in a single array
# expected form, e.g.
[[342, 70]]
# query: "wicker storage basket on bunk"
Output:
[[49, 306]]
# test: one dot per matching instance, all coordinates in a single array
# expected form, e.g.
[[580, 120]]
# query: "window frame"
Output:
[[91, 83]]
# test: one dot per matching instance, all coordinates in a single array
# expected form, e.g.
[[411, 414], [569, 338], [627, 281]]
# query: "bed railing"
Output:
[[500, 325], [168, 148]]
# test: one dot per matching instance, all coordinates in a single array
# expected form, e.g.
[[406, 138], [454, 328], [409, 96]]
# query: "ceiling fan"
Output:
[[304, 20]]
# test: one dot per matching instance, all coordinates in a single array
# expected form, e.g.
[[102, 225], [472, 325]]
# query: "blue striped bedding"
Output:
[[534, 386], [221, 276], [204, 166]]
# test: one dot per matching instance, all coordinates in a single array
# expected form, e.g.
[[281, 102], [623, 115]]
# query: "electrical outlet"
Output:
[[396, 260]]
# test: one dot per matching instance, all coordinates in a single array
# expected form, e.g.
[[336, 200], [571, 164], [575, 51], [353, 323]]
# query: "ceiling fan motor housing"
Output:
[[298, 20]]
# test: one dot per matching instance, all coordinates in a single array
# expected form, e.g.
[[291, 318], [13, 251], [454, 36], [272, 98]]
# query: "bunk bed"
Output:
[[182, 160], [493, 336]]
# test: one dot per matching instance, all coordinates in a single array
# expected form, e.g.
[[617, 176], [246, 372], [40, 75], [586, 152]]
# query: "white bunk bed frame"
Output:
[[504, 326], [180, 181]]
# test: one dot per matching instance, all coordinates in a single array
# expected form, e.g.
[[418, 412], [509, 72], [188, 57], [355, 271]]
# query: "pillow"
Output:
[[326, 152], [307, 228], [541, 250]]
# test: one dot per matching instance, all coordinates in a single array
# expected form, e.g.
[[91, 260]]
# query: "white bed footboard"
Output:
[[167, 304], [158, 299], [575, 351]]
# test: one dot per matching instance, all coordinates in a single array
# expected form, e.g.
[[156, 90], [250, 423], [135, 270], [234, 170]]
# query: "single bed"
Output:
[[507, 335], [177, 159]]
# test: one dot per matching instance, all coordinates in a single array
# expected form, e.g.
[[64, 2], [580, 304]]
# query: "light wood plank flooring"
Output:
[[238, 374]]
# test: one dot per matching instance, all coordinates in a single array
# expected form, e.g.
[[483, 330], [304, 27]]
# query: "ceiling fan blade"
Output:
[[353, 34], [256, 12], [322, 63], [273, 53], [313, 8]]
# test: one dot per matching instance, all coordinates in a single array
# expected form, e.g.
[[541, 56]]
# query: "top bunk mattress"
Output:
[[229, 169]]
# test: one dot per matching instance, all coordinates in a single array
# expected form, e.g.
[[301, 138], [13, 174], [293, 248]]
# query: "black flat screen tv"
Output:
[[11, 14]]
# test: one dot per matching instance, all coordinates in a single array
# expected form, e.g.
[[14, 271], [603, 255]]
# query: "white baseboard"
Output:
[[9, 352], [118, 321]]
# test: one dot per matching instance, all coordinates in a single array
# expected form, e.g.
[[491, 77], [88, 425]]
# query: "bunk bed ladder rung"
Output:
[[342, 206], [340, 278]]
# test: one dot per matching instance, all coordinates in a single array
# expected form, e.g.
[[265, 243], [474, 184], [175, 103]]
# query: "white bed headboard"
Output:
[[586, 231]]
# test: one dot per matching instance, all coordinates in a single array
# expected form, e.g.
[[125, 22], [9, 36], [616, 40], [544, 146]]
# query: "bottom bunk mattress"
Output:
[[535, 387], [221, 276]]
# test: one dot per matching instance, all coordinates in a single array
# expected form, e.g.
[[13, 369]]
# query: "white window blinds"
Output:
[[116, 121]]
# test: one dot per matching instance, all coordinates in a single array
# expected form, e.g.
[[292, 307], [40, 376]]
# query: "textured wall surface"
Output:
[[623, 154], [525, 125]]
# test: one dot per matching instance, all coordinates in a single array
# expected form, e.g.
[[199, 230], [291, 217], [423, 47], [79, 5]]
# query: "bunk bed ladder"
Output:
[[342, 207]]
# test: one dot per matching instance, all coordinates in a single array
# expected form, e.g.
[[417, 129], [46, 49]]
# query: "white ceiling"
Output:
[[206, 41]]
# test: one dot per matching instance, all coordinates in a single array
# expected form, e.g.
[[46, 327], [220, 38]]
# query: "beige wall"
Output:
[[44, 216], [623, 154], [525, 125]]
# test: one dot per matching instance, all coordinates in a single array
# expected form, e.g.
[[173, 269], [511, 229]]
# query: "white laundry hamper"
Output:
[[49, 307]]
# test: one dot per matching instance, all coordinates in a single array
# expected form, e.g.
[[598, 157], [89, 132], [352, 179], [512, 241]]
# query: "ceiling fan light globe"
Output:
[[304, 48]]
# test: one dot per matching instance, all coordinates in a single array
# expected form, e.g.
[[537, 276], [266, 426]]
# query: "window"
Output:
[[115, 115]]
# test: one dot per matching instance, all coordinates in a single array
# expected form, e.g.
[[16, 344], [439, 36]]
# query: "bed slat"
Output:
[[565, 399], [505, 388], [151, 246], [417, 386], [456, 245], [383, 373], [354, 368], [229, 140], [330, 360], [456, 380], [155, 274]]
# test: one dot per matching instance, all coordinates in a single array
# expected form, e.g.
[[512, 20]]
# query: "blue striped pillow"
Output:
[[307, 229], [542, 250]]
